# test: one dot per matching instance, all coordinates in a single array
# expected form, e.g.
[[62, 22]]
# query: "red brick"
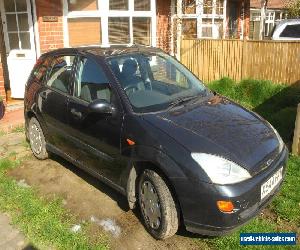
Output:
[[51, 34]]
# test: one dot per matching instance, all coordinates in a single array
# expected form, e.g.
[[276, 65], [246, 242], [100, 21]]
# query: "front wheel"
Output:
[[37, 139], [157, 205]]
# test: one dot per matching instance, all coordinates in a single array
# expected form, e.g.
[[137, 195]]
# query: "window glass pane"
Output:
[[25, 40], [9, 5], [219, 26], [292, 31], [142, 5], [21, 5], [189, 6], [91, 82], [219, 7], [60, 73], [118, 28], [277, 16], [141, 30], [90, 27], [208, 6], [82, 5], [11, 21], [13, 41], [118, 4], [207, 31], [23, 22], [189, 28]]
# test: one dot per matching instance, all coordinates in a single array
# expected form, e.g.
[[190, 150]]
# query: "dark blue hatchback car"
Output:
[[141, 122]]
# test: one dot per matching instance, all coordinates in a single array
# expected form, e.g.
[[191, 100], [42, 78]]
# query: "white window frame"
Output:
[[104, 13]]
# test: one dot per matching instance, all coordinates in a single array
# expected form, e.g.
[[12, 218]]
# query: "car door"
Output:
[[54, 98], [96, 137]]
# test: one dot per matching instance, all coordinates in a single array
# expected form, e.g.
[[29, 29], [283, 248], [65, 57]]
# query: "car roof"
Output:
[[105, 51], [292, 21]]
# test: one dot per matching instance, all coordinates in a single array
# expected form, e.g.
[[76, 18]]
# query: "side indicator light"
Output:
[[130, 142], [225, 206]]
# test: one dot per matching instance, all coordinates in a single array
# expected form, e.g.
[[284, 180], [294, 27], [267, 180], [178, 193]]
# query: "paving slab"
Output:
[[10, 237]]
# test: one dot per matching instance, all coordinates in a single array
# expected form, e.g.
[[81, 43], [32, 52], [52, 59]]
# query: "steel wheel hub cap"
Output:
[[35, 138], [150, 205]]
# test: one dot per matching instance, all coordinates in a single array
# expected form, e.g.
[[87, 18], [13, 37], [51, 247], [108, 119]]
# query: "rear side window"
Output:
[[292, 31], [40, 70], [59, 76]]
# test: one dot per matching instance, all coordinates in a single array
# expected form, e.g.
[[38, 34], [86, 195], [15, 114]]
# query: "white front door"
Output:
[[19, 42]]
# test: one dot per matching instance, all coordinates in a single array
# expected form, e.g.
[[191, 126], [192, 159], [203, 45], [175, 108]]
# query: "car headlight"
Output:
[[220, 170]]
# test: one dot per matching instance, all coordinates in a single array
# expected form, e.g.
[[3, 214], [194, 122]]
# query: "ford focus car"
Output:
[[141, 122]]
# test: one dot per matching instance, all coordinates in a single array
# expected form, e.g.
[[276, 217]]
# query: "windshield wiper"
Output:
[[182, 100]]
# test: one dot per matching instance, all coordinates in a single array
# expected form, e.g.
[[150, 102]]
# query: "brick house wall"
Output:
[[163, 20], [50, 33]]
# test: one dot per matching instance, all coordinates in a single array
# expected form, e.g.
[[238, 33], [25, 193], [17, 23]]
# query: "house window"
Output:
[[118, 5], [202, 18], [189, 28], [90, 27], [82, 5], [272, 17], [142, 5], [118, 30], [189, 6], [17, 24], [111, 22], [141, 30]]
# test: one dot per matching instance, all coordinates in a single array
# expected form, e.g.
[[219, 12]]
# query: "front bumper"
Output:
[[199, 209]]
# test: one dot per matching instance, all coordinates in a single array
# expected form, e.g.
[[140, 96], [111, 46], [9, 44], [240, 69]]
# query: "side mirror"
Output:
[[101, 106]]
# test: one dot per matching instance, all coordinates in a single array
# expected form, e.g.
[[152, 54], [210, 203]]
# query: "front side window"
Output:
[[91, 82], [153, 82], [292, 31], [60, 73]]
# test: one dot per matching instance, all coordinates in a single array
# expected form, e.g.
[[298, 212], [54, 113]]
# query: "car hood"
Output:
[[221, 127]]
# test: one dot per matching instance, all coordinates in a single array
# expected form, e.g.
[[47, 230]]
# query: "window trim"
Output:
[[104, 13]]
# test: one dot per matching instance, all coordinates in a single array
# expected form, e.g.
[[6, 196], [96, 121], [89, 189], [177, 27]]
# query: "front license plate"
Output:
[[270, 184]]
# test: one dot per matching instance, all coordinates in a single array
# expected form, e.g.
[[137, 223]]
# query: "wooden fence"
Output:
[[268, 60]]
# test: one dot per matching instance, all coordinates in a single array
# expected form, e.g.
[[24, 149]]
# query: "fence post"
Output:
[[244, 58], [296, 141]]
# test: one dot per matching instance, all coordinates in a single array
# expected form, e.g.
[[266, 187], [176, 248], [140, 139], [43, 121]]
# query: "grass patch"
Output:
[[45, 223], [18, 129], [277, 103], [287, 204]]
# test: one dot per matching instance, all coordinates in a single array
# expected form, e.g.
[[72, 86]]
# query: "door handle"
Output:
[[44, 95], [76, 113]]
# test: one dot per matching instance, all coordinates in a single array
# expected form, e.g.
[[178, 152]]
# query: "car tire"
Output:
[[158, 208], [37, 139]]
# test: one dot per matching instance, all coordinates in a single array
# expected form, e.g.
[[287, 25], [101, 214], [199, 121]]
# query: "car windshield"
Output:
[[155, 82]]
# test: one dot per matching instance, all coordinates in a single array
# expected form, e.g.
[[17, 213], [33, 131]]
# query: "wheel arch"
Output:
[[136, 170]]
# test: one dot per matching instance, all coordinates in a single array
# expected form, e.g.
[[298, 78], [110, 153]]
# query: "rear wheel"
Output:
[[157, 205], [37, 139]]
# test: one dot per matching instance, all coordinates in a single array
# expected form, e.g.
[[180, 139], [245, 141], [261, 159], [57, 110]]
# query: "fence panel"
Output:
[[268, 60]]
